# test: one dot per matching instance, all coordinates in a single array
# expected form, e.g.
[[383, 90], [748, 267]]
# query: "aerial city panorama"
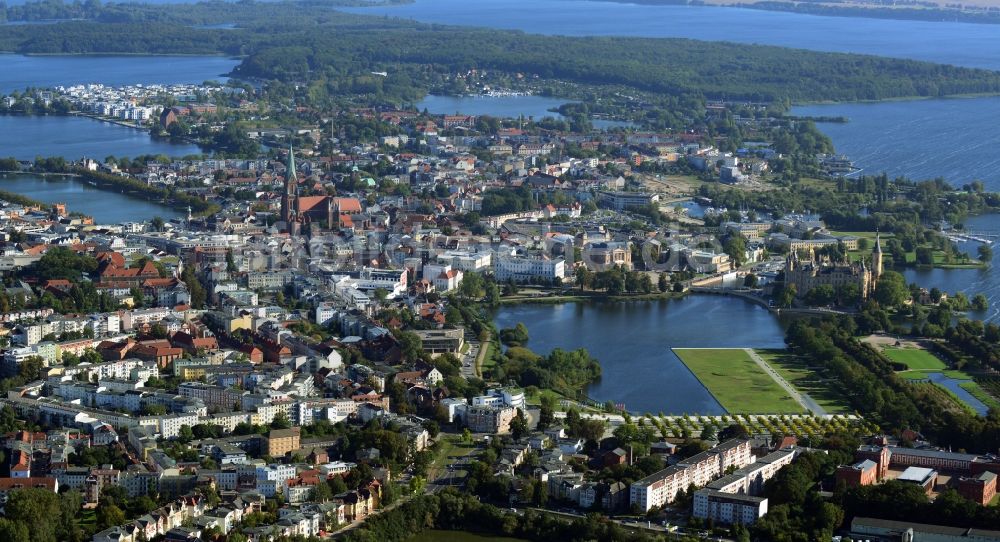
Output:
[[499, 271]]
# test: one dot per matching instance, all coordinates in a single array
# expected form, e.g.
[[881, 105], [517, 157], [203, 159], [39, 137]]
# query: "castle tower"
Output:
[[291, 185], [877, 258]]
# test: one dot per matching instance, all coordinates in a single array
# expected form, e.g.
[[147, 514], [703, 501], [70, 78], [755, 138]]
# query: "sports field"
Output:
[[737, 382]]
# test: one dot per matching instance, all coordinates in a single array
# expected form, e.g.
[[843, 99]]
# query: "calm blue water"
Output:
[[951, 43], [73, 138], [953, 386], [106, 207], [921, 139], [536, 107], [633, 343], [968, 281], [496, 106], [18, 72]]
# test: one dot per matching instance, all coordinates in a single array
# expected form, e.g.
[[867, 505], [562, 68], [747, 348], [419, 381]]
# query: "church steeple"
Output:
[[290, 174], [291, 185]]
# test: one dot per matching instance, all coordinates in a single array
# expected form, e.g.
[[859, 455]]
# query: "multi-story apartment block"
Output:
[[662, 487], [489, 419], [729, 508]]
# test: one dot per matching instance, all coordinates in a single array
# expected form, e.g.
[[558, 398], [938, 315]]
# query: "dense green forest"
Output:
[[302, 40], [672, 66]]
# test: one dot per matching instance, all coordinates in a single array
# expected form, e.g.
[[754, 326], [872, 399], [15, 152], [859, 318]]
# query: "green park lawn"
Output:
[[736, 382], [798, 373], [915, 359]]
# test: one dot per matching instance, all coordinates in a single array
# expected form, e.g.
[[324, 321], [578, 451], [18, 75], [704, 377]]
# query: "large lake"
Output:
[[496, 106], [968, 281], [73, 138], [633, 341], [528, 107], [951, 43], [18, 72], [107, 207], [922, 139], [77, 137]]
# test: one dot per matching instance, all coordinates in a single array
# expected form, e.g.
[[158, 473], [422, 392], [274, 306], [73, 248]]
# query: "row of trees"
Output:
[[867, 379], [618, 280], [567, 372], [450, 510]]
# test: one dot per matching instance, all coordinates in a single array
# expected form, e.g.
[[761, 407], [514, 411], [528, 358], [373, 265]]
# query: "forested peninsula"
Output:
[[302, 41]]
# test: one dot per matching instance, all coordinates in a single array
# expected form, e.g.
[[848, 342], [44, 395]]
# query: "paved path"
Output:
[[801, 398]]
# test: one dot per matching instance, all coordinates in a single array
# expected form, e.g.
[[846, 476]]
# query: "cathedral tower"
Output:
[[291, 187]]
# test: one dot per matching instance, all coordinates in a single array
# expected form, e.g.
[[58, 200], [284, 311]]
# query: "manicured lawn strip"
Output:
[[979, 393], [796, 371], [489, 362], [736, 382], [914, 375], [915, 359]]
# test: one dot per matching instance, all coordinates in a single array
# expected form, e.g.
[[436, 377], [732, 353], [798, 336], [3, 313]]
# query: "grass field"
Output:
[[979, 393], [437, 535], [489, 362], [797, 372], [915, 359], [737, 383]]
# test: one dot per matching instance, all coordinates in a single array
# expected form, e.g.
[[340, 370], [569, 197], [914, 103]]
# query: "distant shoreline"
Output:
[[931, 15]]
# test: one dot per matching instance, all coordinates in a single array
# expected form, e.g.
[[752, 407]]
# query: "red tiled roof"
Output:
[[7, 484]]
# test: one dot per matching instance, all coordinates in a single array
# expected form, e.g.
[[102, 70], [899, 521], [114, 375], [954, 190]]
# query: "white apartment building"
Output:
[[728, 508], [662, 487], [524, 269], [170, 425], [272, 477], [138, 318], [466, 261]]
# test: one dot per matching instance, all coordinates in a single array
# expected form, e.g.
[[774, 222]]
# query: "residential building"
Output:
[[488, 419], [662, 487], [728, 508], [282, 441]]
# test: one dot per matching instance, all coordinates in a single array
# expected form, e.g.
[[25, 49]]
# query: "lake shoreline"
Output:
[[854, 12], [636, 338], [73, 190], [593, 297]]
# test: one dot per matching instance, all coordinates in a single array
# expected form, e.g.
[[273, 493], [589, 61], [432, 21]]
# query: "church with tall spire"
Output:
[[288, 204], [309, 213]]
